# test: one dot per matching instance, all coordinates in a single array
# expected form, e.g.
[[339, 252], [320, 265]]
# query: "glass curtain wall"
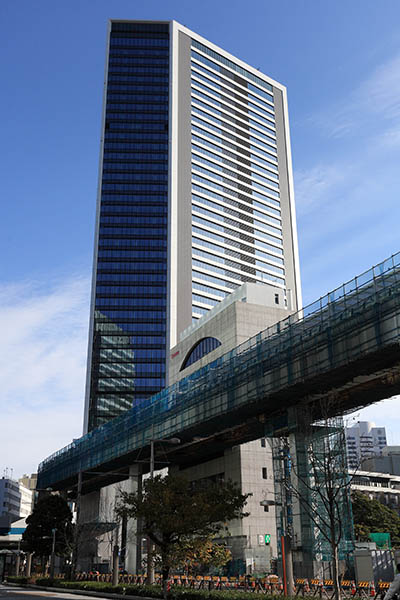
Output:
[[129, 333]]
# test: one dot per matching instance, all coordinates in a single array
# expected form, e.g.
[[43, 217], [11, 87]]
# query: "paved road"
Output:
[[20, 593]]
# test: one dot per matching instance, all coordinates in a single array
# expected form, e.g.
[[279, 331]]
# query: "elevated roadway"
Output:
[[345, 348]]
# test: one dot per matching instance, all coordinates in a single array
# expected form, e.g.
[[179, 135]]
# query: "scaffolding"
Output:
[[312, 492], [318, 346]]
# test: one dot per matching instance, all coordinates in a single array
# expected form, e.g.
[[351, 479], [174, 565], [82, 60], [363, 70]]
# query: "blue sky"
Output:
[[341, 64]]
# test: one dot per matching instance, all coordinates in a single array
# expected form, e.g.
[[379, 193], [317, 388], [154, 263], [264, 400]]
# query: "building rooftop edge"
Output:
[[162, 22], [243, 293], [207, 42], [230, 56], [374, 474]]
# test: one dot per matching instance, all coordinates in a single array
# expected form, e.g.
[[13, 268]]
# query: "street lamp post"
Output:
[[150, 546], [175, 441], [53, 552], [75, 547]]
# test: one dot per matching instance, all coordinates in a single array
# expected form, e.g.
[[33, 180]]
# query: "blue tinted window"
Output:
[[129, 342], [200, 349]]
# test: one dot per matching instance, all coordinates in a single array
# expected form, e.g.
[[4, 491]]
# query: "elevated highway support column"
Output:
[[133, 554]]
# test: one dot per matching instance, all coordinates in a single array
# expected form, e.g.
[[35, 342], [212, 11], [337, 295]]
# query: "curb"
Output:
[[59, 590]]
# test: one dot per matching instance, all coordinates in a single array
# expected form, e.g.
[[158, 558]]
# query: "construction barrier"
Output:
[[300, 587], [271, 584], [363, 589], [382, 588]]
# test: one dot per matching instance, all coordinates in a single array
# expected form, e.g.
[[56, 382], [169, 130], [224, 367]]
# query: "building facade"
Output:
[[364, 440], [15, 500], [388, 461], [29, 481], [379, 486], [243, 314], [195, 198]]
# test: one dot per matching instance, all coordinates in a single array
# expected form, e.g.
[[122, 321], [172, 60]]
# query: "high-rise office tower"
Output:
[[195, 198]]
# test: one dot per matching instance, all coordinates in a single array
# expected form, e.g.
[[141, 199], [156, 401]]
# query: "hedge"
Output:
[[14, 579], [152, 591], [149, 591]]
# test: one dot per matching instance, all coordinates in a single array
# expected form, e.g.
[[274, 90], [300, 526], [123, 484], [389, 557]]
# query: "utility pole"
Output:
[[287, 565], [76, 532], [287, 556], [282, 475]]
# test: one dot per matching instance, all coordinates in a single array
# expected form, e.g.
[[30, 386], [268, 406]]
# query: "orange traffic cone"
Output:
[[353, 588], [306, 587], [372, 591]]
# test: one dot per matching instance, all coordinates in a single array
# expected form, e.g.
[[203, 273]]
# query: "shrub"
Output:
[[17, 579], [45, 581], [149, 591], [94, 586], [178, 593]]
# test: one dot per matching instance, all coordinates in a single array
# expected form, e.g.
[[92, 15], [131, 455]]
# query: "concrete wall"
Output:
[[232, 326], [249, 465], [383, 464], [244, 465]]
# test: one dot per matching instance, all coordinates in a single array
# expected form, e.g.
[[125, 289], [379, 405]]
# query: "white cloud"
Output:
[[363, 166], [43, 358], [372, 106], [381, 92], [314, 186], [390, 139], [347, 201]]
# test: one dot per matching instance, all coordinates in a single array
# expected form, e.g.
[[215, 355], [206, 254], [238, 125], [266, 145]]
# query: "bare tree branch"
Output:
[[319, 480]]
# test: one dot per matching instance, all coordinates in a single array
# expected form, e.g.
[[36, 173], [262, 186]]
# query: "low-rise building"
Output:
[[386, 462], [15, 500], [378, 486]]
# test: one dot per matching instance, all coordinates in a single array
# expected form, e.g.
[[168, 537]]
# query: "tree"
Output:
[[318, 481], [51, 512], [371, 516], [177, 514], [197, 554]]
